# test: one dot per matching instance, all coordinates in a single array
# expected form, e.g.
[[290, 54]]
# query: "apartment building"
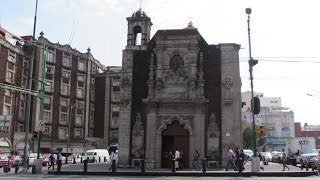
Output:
[[69, 95], [14, 61], [107, 110]]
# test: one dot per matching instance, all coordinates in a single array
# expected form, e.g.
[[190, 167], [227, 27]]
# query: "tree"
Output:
[[247, 135]]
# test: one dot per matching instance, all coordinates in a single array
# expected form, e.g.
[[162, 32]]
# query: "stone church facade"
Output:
[[177, 91]]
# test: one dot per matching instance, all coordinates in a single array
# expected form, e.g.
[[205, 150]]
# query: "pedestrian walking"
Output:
[[176, 158], [59, 160], [195, 160], [51, 159], [114, 159], [181, 160], [239, 160], [284, 160], [230, 159]]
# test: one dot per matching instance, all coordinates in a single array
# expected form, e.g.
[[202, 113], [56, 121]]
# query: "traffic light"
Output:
[[255, 105], [259, 129], [35, 134]]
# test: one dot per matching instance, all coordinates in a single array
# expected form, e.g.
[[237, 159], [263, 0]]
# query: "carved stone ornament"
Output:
[[192, 84], [125, 81], [138, 126], [213, 130], [125, 102], [159, 84], [227, 82]]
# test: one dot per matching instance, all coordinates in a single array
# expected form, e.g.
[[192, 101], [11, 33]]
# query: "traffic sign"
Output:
[[41, 125]]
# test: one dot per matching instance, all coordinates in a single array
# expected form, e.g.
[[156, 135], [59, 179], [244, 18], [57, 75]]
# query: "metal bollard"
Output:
[[204, 165], [88, 159], [104, 159], [143, 169], [74, 160], [16, 169], [81, 160], [173, 165], [113, 166], [85, 166], [99, 159], [66, 160]]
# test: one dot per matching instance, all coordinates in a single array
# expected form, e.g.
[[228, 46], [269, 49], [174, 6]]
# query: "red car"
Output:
[[14, 160]]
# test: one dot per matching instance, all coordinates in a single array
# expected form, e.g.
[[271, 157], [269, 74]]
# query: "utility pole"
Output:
[[252, 62]]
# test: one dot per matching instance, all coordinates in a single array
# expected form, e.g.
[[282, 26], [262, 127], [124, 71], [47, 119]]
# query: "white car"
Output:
[[32, 157]]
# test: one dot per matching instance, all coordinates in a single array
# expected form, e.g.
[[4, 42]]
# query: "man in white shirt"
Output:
[[176, 158]]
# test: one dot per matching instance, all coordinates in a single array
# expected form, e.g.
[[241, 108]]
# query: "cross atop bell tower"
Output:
[[139, 27]]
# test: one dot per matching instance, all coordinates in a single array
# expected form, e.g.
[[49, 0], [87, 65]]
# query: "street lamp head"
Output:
[[248, 11]]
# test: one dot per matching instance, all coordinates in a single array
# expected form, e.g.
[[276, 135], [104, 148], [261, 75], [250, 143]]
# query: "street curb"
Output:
[[192, 174]]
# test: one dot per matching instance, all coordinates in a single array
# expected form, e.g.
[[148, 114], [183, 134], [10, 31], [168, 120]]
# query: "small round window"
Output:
[[176, 63]]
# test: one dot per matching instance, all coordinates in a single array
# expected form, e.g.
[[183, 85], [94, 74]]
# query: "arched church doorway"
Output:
[[175, 136]]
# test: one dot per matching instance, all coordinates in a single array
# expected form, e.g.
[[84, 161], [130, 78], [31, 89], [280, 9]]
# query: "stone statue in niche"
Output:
[[213, 130], [125, 82], [213, 135], [159, 84], [227, 84], [137, 137]]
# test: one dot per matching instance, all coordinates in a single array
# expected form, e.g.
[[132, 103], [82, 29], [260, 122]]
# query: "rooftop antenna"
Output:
[[73, 32], [140, 4]]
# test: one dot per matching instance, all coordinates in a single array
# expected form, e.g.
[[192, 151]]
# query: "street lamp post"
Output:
[[69, 127], [252, 62]]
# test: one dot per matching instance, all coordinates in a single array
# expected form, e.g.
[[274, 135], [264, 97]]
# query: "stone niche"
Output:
[[213, 136], [137, 138]]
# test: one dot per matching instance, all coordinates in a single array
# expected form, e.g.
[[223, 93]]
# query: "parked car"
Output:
[[17, 160], [265, 156], [276, 156], [14, 160], [94, 155], [248, 153], [306, 157], [76, 157], [3, 160], [32, 157]]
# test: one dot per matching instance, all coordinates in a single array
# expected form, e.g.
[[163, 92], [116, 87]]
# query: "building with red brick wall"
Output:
[[308, 131], [69, 94], [13, 72]]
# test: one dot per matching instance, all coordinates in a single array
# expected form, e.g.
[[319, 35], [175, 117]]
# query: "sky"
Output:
[[284, 36]]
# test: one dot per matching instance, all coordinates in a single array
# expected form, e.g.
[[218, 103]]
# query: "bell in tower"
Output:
[[139, 27]]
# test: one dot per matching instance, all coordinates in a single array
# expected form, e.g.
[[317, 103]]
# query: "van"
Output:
[[94, 155]]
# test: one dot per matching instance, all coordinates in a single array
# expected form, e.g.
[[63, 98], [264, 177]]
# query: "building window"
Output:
[[10, 76], [47, 100], [21, 128], [176, 63], [7, 102], [78, 133], [49, 86], [25, 73], [116, 97], [80, 79], [90, 133], [79, 120], [63, 133], [65, 89], [81, 66], [47, 129], [50, 57], [49, 72], [114, 136], [22, 104], [80, 93], [12, 58], [47, 116], [66, 76], [64, 111], [66, 61]]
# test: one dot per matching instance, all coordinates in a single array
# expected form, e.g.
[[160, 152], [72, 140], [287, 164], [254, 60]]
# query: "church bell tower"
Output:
[[133, 56], [139, 27]]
